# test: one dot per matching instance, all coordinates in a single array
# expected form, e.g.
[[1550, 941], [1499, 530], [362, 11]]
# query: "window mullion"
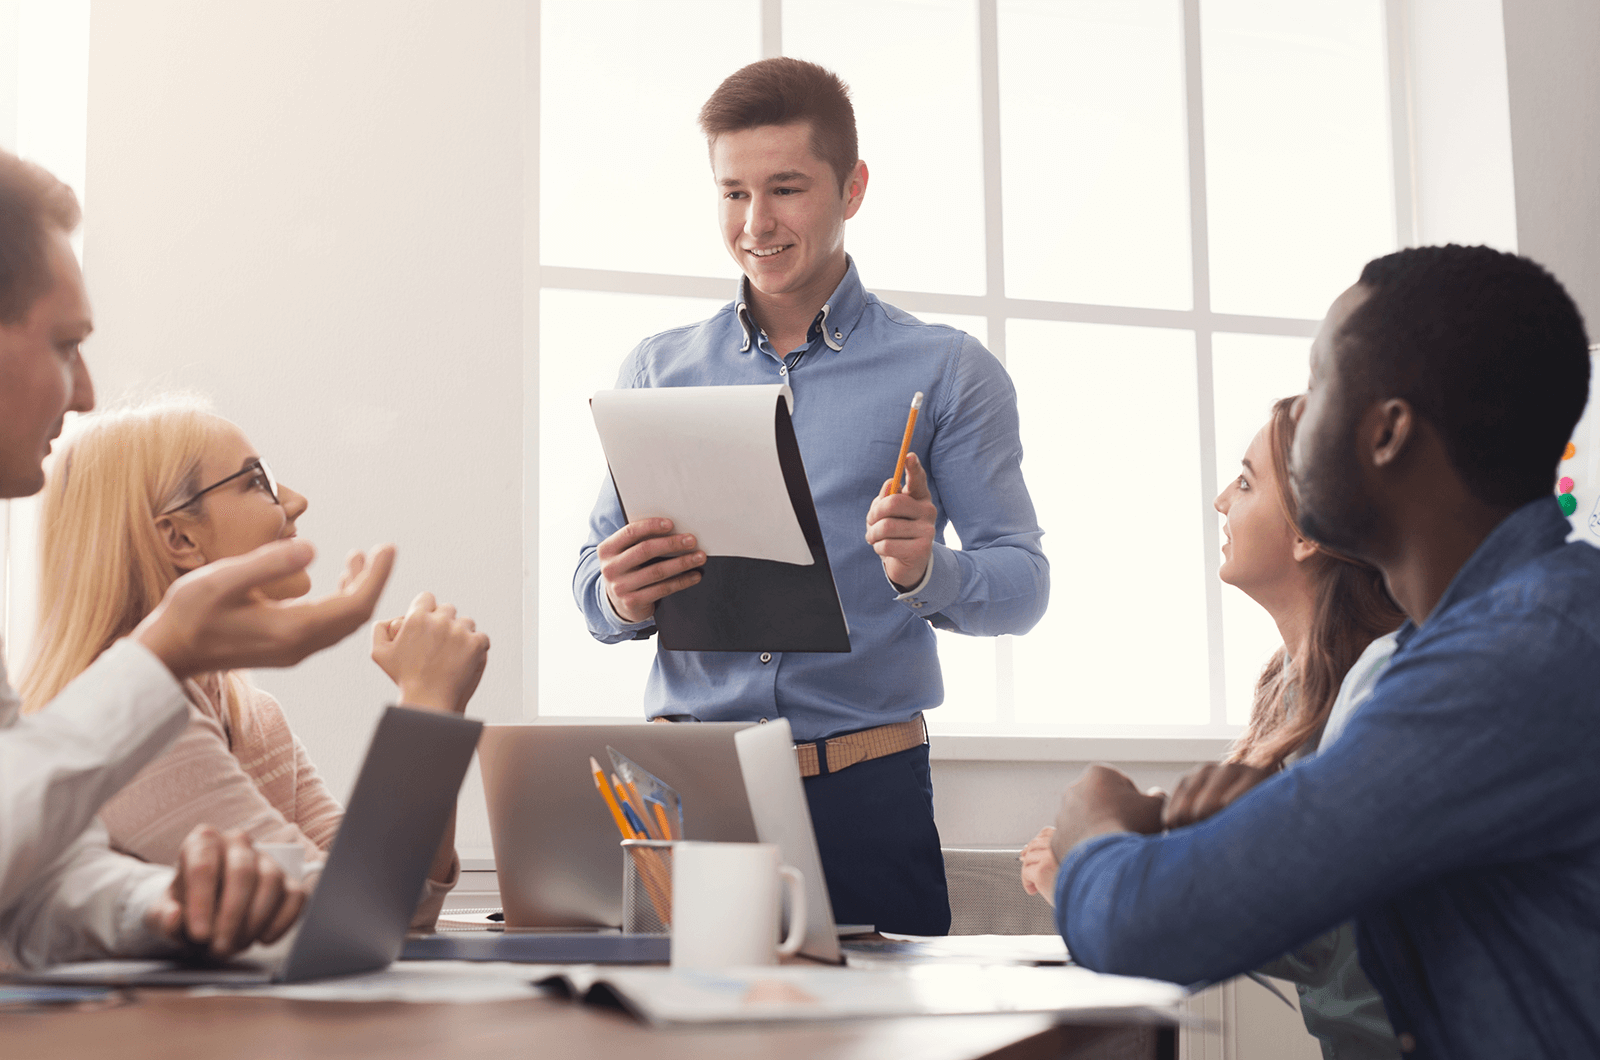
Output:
[[994, 273], [532, 284], [1402, 127], [1200, 266], [771, 28]]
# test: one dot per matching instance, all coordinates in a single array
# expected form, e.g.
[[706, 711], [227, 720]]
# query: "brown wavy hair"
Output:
[[1352, 608]]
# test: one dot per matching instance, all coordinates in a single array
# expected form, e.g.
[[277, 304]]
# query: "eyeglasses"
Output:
[[254, 467]]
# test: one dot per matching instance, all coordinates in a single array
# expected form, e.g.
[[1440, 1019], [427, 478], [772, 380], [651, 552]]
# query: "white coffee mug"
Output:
[[725, 905]]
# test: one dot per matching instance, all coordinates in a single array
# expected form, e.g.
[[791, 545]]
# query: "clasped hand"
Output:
[[1105, 800], [435, 656], [225, 895]]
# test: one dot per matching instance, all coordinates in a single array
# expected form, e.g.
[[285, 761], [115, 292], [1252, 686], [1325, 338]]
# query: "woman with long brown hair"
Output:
[[1328, 608], [1335, 616]]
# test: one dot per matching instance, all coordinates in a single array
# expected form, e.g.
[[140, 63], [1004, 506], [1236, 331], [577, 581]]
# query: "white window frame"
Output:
[[1116, 742]]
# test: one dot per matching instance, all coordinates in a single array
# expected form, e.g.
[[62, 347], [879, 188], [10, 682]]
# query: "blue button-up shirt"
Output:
[[1457, 819], [852, 385]]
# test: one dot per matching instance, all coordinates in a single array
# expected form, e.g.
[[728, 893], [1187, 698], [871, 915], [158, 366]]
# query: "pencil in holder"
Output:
[[647, 887]]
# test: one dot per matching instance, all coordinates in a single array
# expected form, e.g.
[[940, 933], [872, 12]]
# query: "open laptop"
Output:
[[357, 917], [556, 846]]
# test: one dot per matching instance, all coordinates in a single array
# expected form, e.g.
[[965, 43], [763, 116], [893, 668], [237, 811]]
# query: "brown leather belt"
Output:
[[842, 752]]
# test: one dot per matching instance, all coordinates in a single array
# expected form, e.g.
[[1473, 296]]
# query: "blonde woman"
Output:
[[139, 497]]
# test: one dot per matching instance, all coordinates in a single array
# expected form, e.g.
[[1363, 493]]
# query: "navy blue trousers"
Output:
[[880, 849]]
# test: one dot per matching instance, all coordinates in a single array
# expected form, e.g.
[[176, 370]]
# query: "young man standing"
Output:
[[1457, 819], [64, 895], [784, 160]]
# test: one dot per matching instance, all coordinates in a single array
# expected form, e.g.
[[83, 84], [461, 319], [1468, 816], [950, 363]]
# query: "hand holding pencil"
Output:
[[900, 522]]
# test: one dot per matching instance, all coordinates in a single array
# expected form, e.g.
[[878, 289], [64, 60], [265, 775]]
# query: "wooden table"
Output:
[[169, 1025]]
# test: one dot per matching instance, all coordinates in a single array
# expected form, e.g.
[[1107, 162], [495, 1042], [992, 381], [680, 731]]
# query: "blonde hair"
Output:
[[102, 565]]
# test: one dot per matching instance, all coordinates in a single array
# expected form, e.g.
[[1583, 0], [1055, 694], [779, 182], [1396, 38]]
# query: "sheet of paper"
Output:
[[956, 949], [705, 457], [794, 992], [413, 981]]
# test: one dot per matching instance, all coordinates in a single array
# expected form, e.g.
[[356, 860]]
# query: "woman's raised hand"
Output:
[[435, 656]]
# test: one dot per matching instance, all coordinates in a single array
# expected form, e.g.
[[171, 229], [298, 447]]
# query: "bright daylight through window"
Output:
[[44, 117], [1142, 207]]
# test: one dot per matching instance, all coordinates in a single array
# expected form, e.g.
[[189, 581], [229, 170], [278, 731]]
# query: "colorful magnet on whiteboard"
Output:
[[1568, 502], [1570, 452], [1564, 486]]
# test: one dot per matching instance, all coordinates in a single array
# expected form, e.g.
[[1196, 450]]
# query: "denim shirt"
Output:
[[1456, 819], [853, 381]]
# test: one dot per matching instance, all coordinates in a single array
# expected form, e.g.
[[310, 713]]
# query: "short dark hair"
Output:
[[32, 202], [785, 91], [1486, 346]]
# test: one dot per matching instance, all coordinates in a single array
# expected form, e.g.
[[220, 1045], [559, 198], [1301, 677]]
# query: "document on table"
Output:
[[797, 992], [424, 982], [723, 463], [955, 949]]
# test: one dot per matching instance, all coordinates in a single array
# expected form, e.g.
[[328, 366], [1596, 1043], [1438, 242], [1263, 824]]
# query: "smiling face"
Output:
[[1258, 551], [783, 213], [236, 518], [1336, 507], [42, 375]]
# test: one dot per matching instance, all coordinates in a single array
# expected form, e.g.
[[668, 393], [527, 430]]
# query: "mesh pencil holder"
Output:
[[646, 887]]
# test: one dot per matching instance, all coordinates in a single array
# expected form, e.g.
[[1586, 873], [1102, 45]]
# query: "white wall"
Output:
[[1553, 64], [986, 803], [1460, 122], [313, 213]]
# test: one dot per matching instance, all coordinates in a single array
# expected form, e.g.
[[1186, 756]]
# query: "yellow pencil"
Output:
[[642, 809], [630, 798], [661, 819], [611, 801], [905, 443]]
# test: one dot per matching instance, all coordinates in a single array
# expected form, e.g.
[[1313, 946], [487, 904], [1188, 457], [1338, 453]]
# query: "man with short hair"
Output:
[[1457, 818], [64, 894], [784, 158]]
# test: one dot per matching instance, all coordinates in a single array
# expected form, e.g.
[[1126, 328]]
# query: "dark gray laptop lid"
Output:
[[357, 917]]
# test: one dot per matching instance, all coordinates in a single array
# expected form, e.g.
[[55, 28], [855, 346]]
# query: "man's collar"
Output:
[[1529, 532], [835, 320]]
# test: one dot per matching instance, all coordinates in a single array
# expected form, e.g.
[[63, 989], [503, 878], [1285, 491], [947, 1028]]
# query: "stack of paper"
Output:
[[793, 992]]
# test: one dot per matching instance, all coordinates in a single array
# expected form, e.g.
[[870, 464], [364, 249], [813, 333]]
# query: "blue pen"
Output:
[[634, 822]]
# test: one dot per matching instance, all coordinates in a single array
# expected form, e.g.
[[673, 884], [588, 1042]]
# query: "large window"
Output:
[[1141, 206], [44, 113]]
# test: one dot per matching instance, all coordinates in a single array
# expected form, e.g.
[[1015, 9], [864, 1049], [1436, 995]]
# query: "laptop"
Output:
[[782, 816], [556, 847], [357, 917]]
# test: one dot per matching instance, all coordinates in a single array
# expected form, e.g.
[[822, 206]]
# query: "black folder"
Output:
[[743, 604]]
